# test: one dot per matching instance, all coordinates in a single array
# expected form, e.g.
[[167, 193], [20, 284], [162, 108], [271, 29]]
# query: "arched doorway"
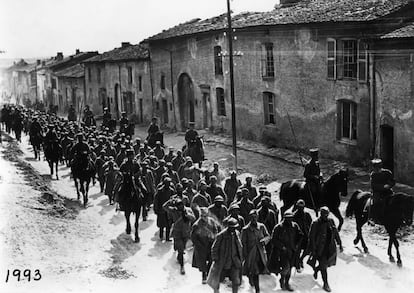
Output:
[[185, 100]]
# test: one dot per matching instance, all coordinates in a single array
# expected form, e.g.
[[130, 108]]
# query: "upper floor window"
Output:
[[347, 120], [98, 75], [347, 59], [140, 83], [269, 108], [221, 103], [89, 74], [268, 62], [53, 83], [129, 74], [218, 61], [162, 85]]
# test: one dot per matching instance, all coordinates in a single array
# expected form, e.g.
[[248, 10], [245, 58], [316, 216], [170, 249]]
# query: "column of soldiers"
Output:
[[234, 226]]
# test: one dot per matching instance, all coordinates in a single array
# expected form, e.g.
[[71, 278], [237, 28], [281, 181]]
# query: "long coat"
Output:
[[203, 233], [220, 255], [254, 253], [323, 237], [160, 198], [285, 240]]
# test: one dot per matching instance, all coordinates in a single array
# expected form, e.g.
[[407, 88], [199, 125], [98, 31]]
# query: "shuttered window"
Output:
[[269, 108], [362, 62], [221, 103], [331, 58], [218, 61]]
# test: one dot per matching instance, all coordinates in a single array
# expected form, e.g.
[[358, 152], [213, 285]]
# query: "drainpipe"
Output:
[[372, 102], [152, 85]]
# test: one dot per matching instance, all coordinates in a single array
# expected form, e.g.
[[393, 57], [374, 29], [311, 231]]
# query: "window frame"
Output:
[[140, 83], [218, 60], [221, 102], [130, 75], [351, 136], [162, 82], [269, 106], [268, 61], [348, 54], [331, 59]]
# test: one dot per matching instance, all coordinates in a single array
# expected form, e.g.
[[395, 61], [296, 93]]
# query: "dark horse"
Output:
[[83, 170], [53, 153], [331, 190], [153, 138], [196, 151], [36, 140], [398, 211], [131, 200]]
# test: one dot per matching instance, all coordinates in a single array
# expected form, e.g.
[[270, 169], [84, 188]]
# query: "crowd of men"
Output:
[[235, 226]]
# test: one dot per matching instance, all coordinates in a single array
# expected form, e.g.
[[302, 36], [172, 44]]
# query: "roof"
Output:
[[71, 59], [304, 12], [76, 71], [129, 52], [406, 31]]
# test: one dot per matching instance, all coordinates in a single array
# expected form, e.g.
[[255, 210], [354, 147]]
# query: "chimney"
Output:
[[287, 3], [59, 56], [38, 62], [77, 51], [125, 44]]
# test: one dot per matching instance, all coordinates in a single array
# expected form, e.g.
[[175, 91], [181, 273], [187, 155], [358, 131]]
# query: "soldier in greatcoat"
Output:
[[163, 194]]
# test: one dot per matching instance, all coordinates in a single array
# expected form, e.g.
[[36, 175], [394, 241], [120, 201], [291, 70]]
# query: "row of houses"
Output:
[[339, 72]]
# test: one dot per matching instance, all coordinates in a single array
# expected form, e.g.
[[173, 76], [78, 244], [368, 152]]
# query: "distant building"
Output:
[[120, 80]]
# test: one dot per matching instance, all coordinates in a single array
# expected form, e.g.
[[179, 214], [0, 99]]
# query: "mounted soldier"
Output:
[[88, 118], [123, 123], [313, 174], [106, 118], [36, 136], [51, 136], [191, 135], [154, 133], [382, 181], [71, 113], [80, 151]]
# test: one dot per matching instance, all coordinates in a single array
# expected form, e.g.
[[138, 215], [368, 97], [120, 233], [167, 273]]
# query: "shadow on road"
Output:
[[123, 247]]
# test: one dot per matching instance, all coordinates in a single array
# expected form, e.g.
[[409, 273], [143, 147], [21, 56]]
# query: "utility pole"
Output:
[[233, 106]]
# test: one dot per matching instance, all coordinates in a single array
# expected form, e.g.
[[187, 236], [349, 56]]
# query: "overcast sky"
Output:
[[40, 28]]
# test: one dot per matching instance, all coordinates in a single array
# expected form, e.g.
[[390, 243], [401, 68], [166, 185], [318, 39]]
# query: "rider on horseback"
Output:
[[51, 136], [106, 118], [80, 150], [382, 181], [191, 135], [313, 174], [123, 123], [88, 118]]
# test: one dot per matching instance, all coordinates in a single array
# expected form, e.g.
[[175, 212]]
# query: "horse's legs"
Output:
[[389, 249], [361, 223], [128, 224], [77, 187], [51, 167], [337, 214], [85, 195], [57, 176], [396, 244], [137, 214]]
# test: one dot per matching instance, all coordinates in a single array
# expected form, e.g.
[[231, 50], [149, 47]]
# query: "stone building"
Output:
[[71, 85], [393, 107], [120, 80], [21, 82], [306, 65]]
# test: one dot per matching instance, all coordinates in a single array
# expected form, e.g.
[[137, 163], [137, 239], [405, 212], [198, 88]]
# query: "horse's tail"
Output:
[[350, 208]]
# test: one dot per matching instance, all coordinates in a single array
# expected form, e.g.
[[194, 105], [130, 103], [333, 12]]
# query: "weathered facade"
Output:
[[304, 66], [71, 86], [120, 80], [393, 104]]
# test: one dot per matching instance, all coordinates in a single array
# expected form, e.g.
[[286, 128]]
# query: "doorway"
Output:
[[387, 147], [185, 100]]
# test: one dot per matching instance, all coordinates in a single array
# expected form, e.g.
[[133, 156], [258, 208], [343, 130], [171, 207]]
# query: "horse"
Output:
[[131, 200], [153, 138], [53, 154], [83, 170], [195, 151], [36, 141], [331, 190], [397, 212]]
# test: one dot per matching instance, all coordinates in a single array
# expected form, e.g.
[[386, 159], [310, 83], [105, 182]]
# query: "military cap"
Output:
[[314, 151], [300, 203], [265, 199], [253, 212], [262, 188], [245, 191], [130, 152], [234, 206], [79, 135], [218, 198], [169, 164], [324, 210], [232, 223], [376, 161], [123, 146], [158, 142]]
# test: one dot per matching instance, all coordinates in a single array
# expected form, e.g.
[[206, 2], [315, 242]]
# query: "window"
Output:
[[140, 83], [268, 62], [129, 74], [162, 82], [347, 59], [89, 74], [349, 48], [218, 61], [157, 106], [53, 83], [221, 103], [269, 108], [98, 75], [347, 120]]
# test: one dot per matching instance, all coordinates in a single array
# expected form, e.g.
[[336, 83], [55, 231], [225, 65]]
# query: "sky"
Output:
[[41, 28]]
